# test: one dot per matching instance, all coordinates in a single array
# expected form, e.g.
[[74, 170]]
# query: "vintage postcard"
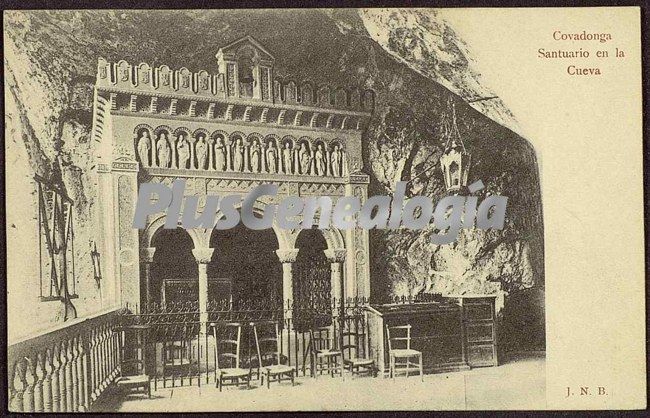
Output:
[[324, 210]]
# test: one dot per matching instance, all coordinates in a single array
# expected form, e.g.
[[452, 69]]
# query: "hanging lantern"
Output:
[[455, 160]]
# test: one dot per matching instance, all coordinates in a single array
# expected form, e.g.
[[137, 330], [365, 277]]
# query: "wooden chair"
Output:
[[402, 353], [132, 369], [227, 345], [324, 358], [269, 354], [351, 342]]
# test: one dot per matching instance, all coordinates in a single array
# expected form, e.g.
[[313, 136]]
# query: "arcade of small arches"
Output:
[[163, 147], [275, 267]]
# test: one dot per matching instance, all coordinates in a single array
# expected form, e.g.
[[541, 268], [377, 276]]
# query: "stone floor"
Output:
[[517, 384]]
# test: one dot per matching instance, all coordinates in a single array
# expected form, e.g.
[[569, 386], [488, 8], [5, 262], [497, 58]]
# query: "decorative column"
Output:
[[203, 257], [146, 258], [246, 156], [287, 258], [192, 142], [263, 159], [336, 257], [228, 144], [152, 153], [210, 142]]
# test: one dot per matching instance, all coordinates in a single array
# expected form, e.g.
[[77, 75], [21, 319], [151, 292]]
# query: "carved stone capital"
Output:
[[203, 255], [146, 254], [335, 256], [287, 256]]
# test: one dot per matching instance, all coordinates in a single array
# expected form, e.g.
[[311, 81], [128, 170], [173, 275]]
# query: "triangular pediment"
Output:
[[246, 41]]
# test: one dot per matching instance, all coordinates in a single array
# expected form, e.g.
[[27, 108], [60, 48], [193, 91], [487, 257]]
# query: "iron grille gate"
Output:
[[312, 294]]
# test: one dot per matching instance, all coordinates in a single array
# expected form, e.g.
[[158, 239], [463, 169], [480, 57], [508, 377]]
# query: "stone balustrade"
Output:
[[65, 369]]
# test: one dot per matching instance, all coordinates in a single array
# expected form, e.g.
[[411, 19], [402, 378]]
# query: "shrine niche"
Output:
[[227, 133]]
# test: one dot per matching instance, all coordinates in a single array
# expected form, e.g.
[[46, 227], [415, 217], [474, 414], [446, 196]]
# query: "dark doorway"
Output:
[[174, 271], [246, 259]]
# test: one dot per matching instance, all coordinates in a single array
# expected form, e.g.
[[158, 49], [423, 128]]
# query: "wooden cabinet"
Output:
[[480, 329], [453, 334]]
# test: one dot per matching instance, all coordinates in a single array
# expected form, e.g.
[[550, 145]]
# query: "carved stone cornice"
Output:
[[235, 175], [287, 256], [335, 256], [289, 115], [233, 101], [359, 178], [203, 255], [146, 254], [125, 165]]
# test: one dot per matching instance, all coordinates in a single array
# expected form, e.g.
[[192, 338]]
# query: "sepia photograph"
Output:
[[271, 210]]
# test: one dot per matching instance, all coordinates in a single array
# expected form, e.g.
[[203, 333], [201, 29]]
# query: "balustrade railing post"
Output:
[[39, 375], [16, 394], [47, 380], [67, 373], [28, 395], [56, 379], [85, 372], [74, 369]]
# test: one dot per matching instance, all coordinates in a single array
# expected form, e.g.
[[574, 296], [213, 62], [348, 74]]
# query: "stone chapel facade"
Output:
[[225, 133]]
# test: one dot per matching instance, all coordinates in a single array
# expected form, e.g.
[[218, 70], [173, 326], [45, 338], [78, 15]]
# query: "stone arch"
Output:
[[272, 137], [233, 135], [255, 135], [324, 95], [123, 71], [290, 91], [215, 134], [158, 223], [288, 138], [141, 127], [307, 93], [172, 263], [183, 129], [283, 236], [333, 237], [163, 128], [247, 64], [183, 79], [336, 141], [341, 97], [200, 131], [308, 140], [278, 89], [321, 140]]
